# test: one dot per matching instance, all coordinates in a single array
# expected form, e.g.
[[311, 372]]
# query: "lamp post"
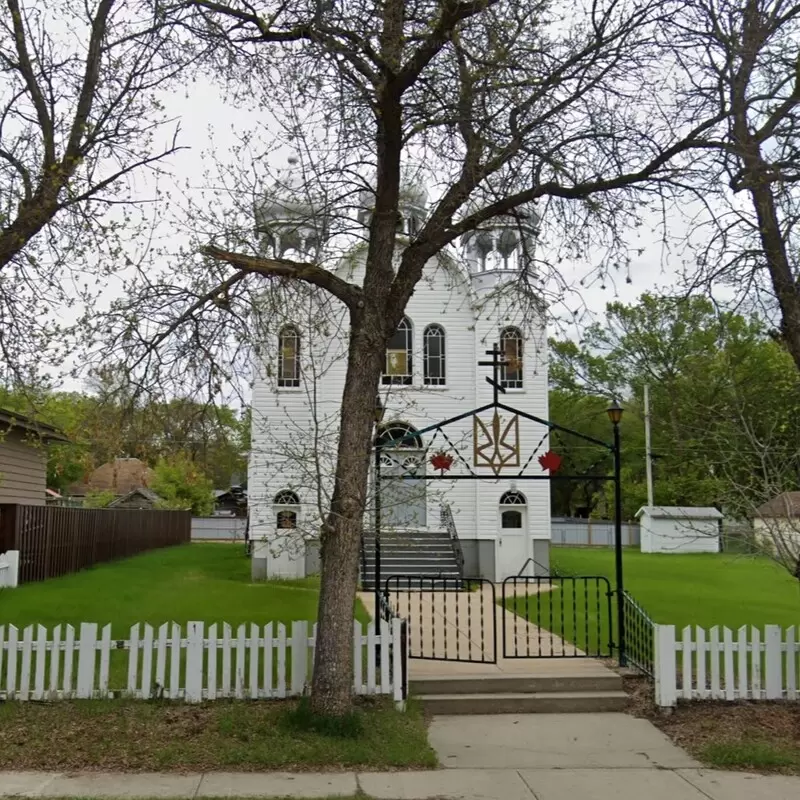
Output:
[[614, 412], [379, 412]]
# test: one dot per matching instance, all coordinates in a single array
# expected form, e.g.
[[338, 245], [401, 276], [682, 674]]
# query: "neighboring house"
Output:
[[137, 498], [23, 458], [776, 524], [230, 502], [470, 297], [679, 529], [120, 476]]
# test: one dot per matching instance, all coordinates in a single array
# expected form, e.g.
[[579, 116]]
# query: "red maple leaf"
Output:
[[441, 461], [550, 461]]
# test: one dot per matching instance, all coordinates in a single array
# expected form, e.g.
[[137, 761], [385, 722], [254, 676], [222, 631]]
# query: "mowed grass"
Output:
[[693, 589], [703, 589], [205, 581], [129, 735]]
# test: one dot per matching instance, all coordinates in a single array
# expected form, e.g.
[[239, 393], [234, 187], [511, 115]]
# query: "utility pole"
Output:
[[648, 455]]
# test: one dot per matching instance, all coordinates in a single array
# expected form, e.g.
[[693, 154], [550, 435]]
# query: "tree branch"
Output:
[[307, 272]]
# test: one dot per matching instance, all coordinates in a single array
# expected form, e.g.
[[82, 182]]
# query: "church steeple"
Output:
[[504, 244], [292, 220]]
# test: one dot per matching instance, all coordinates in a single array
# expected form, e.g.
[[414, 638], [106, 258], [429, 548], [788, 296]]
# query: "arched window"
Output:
[[289, 357], [433, 366], [399, 434], [511, 517], [398, 355], [511, 347], [286, 517], [403, 486]]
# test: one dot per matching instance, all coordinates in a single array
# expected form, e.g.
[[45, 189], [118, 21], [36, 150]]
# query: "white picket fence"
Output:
[[720, 664], [251, 662]]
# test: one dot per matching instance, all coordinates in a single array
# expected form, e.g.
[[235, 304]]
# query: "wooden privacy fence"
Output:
[[55, 541], [721, 664], [251, 663]]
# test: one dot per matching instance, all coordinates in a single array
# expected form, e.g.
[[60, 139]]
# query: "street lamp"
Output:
[[379, 411], [614, 412]]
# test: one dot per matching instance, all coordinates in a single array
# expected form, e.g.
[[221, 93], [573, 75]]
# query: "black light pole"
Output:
[[379, 410], [615, 415]]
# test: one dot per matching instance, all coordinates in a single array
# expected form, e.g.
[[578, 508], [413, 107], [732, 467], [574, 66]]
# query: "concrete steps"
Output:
[[422, 553], [541, 694]]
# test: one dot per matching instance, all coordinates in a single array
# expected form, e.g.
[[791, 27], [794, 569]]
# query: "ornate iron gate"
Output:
[[557, 617], [449, 619]]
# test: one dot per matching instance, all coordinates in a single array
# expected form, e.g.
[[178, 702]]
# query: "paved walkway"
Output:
[[504, 757], [473, 625]]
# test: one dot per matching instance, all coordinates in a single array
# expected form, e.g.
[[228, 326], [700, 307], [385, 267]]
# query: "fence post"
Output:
[[194, 662], [773, 674], [87, 651], [9, 569], [666, 674], [299, 657]]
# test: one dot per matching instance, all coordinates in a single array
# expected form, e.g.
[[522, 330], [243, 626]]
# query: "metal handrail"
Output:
[[546, 570], [640, 627], [449, 524]]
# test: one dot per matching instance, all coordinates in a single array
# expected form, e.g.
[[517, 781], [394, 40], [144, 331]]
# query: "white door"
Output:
[[512, 540]]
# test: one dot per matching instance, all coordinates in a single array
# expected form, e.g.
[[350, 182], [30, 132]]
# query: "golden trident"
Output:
[[496, 445]]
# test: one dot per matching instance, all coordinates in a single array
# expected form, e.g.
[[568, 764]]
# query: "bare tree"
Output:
[[743, 61], [500, 104], [79, 116]]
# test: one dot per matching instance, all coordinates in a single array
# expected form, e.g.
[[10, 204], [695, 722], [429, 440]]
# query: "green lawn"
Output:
[[203, 581], [697, 589]]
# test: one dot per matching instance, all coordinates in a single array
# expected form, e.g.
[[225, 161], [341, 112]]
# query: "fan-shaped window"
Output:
[[511, 517], [289, 357], [511, 347], [286, 517], [399, 434], [287, 497], [433, 356], [398, 355]]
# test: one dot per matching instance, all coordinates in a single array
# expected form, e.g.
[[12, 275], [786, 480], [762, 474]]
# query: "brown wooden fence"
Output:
[[56, 541]]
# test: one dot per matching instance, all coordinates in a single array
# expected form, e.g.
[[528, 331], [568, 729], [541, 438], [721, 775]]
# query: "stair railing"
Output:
[[449, 524]]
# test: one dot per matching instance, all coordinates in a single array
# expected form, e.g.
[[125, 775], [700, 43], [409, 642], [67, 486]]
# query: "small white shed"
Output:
[[679, 529]]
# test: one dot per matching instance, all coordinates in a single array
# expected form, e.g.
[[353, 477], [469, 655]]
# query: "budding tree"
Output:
[[743, 58], [499, 104], [78, 117]]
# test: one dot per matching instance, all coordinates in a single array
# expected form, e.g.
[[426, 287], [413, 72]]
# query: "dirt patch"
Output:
[[135, 736], [755, 737]]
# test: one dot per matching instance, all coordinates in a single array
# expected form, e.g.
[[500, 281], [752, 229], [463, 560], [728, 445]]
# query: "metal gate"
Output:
[[449, 618], [557, 617]]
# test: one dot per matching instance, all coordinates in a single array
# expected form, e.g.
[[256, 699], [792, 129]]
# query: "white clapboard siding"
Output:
[[721, 664], [194, 663]]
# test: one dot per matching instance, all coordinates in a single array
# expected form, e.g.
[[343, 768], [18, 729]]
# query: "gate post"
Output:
[[615, 415]]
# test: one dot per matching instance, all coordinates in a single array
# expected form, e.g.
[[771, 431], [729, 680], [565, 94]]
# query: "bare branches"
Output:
[[313, 274], [80, 116]]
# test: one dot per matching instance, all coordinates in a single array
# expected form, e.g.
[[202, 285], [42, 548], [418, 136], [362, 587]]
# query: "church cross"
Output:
[[498, 361]]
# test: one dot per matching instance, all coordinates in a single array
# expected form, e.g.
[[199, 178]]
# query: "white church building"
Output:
[[469, 299]]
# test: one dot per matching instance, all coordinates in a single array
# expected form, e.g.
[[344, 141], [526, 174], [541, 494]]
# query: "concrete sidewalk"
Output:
[[487, 757], [445, 784]]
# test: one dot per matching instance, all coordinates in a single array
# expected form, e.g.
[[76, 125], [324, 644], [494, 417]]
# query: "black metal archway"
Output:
[[496, 455]]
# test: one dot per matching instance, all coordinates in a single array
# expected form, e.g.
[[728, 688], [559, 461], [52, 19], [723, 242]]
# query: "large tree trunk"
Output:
[[332, 687]]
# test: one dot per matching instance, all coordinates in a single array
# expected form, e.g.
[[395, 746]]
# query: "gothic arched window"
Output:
[[433, 356], [398, 355], [511, 347], [289, 356]]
